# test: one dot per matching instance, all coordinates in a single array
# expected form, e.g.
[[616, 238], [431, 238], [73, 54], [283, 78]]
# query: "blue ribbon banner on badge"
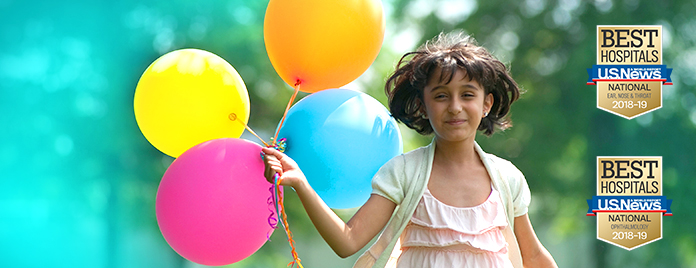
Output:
[[629, 204], [629, 73]]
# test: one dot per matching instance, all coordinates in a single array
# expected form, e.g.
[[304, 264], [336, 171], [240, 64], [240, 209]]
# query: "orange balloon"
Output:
[[322, 43]]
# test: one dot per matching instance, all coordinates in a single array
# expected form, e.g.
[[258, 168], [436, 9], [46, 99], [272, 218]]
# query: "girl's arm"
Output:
[[344, 238], [534, 254]]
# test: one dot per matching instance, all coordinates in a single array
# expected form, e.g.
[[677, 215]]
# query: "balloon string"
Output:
[[282, 120], [272, 220], [234, 117], [291, 241], [280, 145]]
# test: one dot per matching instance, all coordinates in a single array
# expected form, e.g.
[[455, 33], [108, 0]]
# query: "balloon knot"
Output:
[[280, 145], [233, 116]]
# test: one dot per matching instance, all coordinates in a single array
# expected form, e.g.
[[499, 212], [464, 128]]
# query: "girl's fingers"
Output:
[[270, 151], [269, 173], [277, 169], [269, 157], [274, 153], [276, 162], [273, 166], [272, 160]]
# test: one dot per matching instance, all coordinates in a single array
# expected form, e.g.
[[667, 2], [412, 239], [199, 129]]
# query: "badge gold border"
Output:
[[597, 62], [661, 215]]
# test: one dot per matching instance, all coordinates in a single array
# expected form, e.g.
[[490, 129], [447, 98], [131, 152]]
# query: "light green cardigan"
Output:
[[404, 179]]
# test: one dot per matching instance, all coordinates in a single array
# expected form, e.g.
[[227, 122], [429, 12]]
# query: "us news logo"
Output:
[[629, 73]]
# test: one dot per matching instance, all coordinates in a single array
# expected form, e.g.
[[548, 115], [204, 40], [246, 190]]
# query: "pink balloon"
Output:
[[211, 203]]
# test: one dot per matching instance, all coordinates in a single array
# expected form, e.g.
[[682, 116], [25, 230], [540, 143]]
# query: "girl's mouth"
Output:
[[456, 121]]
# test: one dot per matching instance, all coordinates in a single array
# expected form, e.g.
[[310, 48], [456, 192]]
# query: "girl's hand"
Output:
[[289, 171], [344, 239]]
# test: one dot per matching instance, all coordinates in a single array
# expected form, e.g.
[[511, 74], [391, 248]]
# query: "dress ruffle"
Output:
[[423, 257], [432, 213], [418, 236], [440, 235]]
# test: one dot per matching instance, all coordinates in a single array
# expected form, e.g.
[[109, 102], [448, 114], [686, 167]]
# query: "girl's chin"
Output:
[[455, 137]]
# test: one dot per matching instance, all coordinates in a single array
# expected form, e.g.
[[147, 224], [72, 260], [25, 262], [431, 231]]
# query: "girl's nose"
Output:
[[455, 107]]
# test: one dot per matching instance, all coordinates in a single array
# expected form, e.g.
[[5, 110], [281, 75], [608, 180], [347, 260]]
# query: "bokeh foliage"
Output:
[[78, 180]]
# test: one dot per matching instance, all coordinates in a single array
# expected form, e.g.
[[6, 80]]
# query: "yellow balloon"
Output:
[[187, 97], [322, 43]]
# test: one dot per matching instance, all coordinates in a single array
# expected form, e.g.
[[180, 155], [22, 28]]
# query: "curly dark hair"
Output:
[[449, 53]]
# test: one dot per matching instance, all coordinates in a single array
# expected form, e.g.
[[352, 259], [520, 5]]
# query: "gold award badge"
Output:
[[629, 73], [629, 204]]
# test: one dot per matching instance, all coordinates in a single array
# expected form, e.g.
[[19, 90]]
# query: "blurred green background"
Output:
[[78, 180]]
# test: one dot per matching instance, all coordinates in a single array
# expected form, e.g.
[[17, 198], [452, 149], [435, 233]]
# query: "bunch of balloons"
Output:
[[212, 204]]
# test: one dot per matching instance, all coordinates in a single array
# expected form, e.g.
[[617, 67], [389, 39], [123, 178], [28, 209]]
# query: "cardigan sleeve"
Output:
[[521, 196], [388, 182]]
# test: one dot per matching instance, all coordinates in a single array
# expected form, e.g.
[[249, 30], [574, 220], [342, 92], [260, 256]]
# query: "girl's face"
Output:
[[455, 109]]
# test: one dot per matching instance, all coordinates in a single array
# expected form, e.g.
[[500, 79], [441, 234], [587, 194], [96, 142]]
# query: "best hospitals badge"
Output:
[[629, 203], [629, 73]]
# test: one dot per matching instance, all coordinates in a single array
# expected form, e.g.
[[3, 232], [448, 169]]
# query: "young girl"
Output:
[[448, 204]]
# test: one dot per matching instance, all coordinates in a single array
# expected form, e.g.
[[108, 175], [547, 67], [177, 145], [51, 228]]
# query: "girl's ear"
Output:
[[487, 104], [421, 110], [423, 113]]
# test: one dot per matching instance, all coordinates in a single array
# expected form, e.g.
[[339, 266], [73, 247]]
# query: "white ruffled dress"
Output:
[[440, 235]]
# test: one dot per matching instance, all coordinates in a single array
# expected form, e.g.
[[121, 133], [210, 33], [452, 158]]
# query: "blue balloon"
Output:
[[340, 138]]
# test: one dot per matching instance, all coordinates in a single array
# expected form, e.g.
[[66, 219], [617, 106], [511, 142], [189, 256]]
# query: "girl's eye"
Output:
[[440, 96], [467, 95]]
